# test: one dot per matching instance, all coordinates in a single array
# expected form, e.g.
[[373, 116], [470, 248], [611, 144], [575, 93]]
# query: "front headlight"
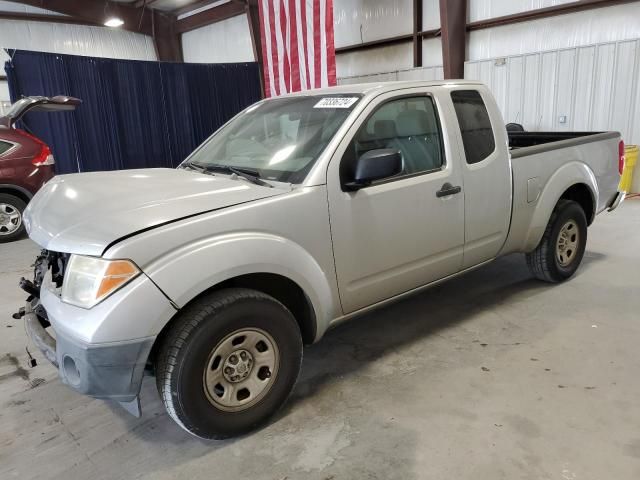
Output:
[[89, 280]]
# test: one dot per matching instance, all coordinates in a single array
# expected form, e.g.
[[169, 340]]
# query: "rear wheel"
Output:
[[11, 210], [559, 253], [228, 363]]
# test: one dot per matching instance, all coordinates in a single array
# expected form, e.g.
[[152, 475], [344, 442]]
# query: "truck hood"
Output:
[[86, 212]]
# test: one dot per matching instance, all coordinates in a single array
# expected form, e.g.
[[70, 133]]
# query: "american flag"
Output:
[[297, 45]]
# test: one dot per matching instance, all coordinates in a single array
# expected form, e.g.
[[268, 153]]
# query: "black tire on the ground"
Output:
[[19, 205], [186, 348], [542, 262]]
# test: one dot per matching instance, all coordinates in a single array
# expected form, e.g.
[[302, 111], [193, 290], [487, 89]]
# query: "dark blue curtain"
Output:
[[134, 114]]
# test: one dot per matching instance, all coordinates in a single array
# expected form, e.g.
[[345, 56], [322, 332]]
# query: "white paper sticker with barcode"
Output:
[[336, 102]]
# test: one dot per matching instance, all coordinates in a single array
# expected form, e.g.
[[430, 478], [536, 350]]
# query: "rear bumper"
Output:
[[617, 200], [110, 371]]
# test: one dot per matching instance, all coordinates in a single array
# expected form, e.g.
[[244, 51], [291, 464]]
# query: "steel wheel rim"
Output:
[[567, 243], [241, 369], [10, 219]]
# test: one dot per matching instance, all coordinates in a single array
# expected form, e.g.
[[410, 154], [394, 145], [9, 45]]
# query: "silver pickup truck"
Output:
[[299, 213]]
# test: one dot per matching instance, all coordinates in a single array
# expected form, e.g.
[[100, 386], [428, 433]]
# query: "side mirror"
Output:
[[375, 165]]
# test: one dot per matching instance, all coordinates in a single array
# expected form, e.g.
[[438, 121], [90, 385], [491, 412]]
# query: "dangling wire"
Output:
[[144, 5]]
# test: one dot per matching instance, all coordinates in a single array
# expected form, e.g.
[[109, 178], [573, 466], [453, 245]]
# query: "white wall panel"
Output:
[[583, 85], [602, 87], [221, 42], [589, 27], [634, 136], [430, 14], [587, 88], [4, 96], [499, 82], [529, 115], [74, 40], [375, 60], [360, 21], [547, 88], [565, 97], [515, 89], [422, 73], [484, 9], [432, 52], [626, 79]]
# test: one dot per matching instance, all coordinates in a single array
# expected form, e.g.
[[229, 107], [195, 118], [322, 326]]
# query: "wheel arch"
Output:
[[283, 289], [16, 191], [583, 196], [573, 181]]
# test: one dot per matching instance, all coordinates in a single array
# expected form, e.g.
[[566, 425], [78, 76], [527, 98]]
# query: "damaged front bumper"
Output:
[[103, 351], [112, 371]]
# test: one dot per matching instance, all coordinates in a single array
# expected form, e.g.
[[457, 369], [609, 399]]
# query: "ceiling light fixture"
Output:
[[114, 22]]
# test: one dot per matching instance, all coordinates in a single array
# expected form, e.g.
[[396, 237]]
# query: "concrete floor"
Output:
[[491, 376]]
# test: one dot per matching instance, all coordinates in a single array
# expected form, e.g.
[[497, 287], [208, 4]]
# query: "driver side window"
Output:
[[409, 125]]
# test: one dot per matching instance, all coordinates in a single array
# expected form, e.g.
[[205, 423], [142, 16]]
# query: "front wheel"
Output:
[[559, 253], [228, 363]]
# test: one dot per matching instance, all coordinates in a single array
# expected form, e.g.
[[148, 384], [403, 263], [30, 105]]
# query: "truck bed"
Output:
[[528, 143], [537, 157]]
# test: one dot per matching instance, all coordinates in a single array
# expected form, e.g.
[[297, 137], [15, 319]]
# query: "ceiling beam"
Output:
[[385, 42], [193, 5], [544, 13], [37, 17], [212, 15], [144, 3]]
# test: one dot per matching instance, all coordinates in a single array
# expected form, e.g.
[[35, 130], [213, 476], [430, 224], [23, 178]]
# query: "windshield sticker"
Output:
[[336, 102]]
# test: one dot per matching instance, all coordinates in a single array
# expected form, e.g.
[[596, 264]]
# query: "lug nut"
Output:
[[233, 359]]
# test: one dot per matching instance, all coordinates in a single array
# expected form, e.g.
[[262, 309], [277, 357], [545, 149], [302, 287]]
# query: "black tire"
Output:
[[543, 262], [186, 351], [13, 203]]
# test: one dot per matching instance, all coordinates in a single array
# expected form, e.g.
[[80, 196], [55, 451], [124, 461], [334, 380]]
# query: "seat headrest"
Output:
[[414, 122], [385, 129]]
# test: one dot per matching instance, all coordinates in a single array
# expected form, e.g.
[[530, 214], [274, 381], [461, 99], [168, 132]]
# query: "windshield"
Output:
[[279, 139]]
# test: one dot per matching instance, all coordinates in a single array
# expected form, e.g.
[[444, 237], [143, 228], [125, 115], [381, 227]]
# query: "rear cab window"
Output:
[[475, 125]]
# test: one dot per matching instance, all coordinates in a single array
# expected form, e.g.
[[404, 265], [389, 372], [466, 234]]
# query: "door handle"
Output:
[[448, 189]]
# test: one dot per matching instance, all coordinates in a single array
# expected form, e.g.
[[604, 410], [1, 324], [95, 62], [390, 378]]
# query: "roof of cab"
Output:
[[381, 87]]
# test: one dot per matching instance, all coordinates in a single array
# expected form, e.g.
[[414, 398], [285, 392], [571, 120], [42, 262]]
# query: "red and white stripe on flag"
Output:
[[297, 45]]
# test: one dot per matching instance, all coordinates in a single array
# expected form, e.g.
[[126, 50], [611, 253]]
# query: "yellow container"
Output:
[[631, 158]]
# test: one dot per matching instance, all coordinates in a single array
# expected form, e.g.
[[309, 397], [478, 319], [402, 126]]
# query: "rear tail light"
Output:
[[44, 156], [621, 157]]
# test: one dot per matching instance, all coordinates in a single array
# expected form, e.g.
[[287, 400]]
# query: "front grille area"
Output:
[[55, 261]]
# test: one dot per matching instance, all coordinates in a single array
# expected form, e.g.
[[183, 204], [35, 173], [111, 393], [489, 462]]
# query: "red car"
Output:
[[26, 162]]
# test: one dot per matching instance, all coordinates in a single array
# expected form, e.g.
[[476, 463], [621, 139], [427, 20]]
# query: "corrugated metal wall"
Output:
[[593, 87], [361, 21], [231, 38], [483, 9], [423, 73], [74, 40], [65, 38], [579, 29], [578, 71]]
